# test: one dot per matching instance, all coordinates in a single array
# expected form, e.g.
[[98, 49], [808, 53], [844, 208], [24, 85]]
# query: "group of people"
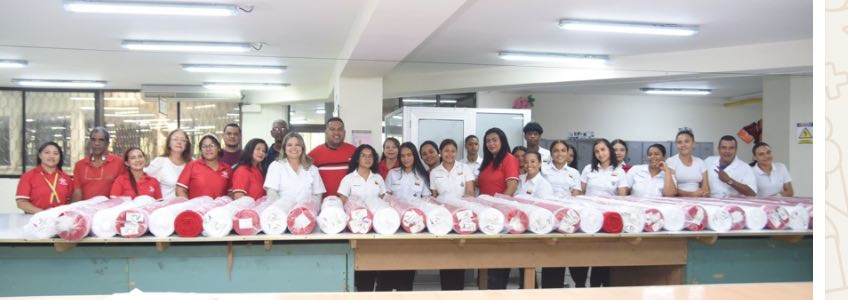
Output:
[[285, 169]]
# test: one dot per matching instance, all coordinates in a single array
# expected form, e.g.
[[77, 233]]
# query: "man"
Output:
[[94, 174], [727, 174], [279, 130], [472, 157], [333, 157], [533, 135], [232, 144]]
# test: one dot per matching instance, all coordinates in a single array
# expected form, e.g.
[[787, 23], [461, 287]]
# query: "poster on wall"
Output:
[[359, 137], [804, 132]]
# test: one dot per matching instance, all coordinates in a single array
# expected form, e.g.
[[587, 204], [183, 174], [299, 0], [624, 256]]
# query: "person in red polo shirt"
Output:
[[47, 185], [247, 178], [208, 176], [135, 182], [333, 157], [95, 173]]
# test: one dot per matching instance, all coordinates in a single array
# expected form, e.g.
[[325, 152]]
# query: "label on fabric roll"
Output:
[[737, 216], [129, 229], [467, 225], [301, 221], [245, 223], [699, 216], [413, 221], [464, 214], [358, 214], [774, 219], [783, 214], [515, 224], [133, 217]]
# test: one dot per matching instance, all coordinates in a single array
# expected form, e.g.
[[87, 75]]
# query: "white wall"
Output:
[[8, 186], [788, 100], [360, 102], [258, 125], [496, 99]]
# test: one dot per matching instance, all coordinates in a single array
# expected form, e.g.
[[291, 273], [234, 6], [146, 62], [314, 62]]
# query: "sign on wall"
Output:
[[804, 132]]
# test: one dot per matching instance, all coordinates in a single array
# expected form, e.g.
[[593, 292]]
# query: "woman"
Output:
[[208, 176], [604, 176], [247, 177], [430, 154], [571, 159], [533, 184], [519, 152], [689, 170], [46, 186], [564, 179], [293, 174], [168, 167], [135, 182], [772, 178], [410, 180], [653, 179], [620, 149], [389, 158], [498, 175]]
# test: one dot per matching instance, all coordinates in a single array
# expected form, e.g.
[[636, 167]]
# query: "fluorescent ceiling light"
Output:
[[243, 69], [687, 92], [553, 57], [151, 8], [243, 86], [428, 101], [628, 27], [13, 63], [60, 83], [185, 46]]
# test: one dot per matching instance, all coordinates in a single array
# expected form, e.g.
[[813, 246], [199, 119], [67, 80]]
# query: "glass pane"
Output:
[[200, 118], [394, 126], [307, 113], [61, 117], [312, 139], [11, 109], [135, 122], [511, 124], [438, 130]]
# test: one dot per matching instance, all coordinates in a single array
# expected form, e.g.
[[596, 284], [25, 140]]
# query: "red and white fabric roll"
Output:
[[246, 221], [162, 219], [274, 219], [412, 219], [516, 219], [591, 219], [218, 222], [42, 225], [695, 216], [302, 217], [189, 223], [386, 218], [566, 219], [651, 213], [673, 216], [360, 218], [103, 224], [332, 218], [75, 224], [439, 219], [465, 220], [539, 220], [471, 215], [632, 218], [133, 223]]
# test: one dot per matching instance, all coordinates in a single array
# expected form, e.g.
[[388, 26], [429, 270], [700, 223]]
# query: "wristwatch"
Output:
[[730, 182]]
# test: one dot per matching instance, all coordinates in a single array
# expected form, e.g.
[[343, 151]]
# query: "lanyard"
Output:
[[53, 193]]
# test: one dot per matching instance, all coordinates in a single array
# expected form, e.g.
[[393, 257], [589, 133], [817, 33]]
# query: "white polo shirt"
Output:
[[643, 184], [451, 183], [603, 182], [474, 166], [563, 181], [406, 185], [537, 187], [546, 155], [688, 177], [771, 184], [290, 183], [738, 170], [354, 185]]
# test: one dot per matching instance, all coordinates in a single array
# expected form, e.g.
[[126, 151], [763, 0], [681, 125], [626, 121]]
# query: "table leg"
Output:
[[483, 279], [529, 278]]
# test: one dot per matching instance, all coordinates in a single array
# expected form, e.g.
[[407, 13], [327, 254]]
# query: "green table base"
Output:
[[748, 260]]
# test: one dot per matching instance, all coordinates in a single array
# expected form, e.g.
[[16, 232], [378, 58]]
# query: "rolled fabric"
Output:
[[246, 221], [103, 223], [162, 219], [799, 217], [412, 219], [539, 220], [639, 212], [737, 215], [332, 218], [274, 218], [465, 216], [218, 222], [438, 218], [386, 218], [42, 225], [134, 222], [302, 217], [654, 220], [591, 218], [517, 220], [465, 220], [718, 218], [632, 217], [695, 217], [566, 219], [778, 217], [75, 224], [360, 218], [613, 223], [189, 223]]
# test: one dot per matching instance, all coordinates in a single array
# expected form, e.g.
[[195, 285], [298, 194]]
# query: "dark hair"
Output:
[[728, 138], [658, 146], [533, 126], [757, 145], [186, 151], [334, 119], [619, 141], [100, 129], [471, 136], [551, 148], [573, 163], [597, 163], [537, 154], [61, 154], [686, 132], [214, 141], [488, 158], [447, 142], [431, 143], [133, 184], [232, 125], [417, 165], [246, 158], [391, 139], [354, 160], [519, 148]]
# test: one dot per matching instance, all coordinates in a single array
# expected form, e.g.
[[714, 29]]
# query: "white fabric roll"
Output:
[[719, 218], [162, 220], [42, 225], [274, 219], [332, 219], [103, 224], [755, 217], [218, 222], [674, 217], [490, 220], [386, 218], [540, 220]]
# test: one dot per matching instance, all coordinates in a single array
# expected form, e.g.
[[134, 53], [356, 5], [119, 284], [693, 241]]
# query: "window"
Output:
[[61, 117], [308, 119], [136, 122], [11, 110], [201, 118]]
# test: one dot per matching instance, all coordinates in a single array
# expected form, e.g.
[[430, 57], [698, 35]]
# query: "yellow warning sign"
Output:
[[805, 133]]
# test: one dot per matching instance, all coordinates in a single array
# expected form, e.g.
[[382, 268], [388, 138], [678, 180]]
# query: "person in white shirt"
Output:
[[363, 180], [773, 178], [564, 180], [653, 179], [533, 184], [689, 170], [410, 180], [728, 175], [451, 180], [293, 175], [472, 155], [429, 154], [604, 176], [168, 167], [533, 135]]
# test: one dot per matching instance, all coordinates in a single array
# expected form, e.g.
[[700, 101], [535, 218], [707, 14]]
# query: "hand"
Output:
[[662, 166], [722, 175]]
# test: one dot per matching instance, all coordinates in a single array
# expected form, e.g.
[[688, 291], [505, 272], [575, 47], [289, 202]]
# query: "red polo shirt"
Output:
[[384, 169], [249, 180], [35, 187], [97, 181], [147, 186], [332, 165], [493, 180], [201, 180]]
